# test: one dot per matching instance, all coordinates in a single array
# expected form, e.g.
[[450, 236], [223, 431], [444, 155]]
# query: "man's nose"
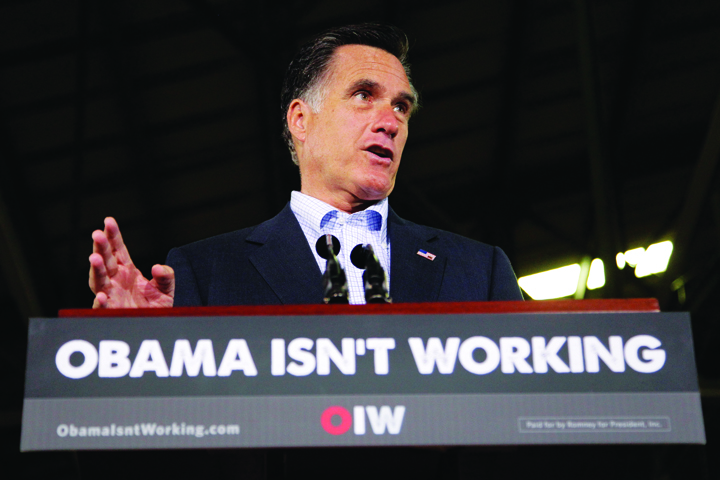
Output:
[[386, 121]]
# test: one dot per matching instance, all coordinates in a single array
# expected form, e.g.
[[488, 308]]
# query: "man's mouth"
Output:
[[380, 151]]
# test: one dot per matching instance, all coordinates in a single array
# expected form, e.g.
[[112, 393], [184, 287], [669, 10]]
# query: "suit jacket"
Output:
[[272, 263]]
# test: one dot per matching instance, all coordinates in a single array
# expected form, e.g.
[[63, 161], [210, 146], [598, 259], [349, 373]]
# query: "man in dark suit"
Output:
[[347, 103]]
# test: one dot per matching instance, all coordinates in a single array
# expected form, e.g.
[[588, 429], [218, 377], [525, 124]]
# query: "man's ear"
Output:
[[297, 118]]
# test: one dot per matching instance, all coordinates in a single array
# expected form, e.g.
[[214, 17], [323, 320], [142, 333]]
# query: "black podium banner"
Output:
[[324, 380]]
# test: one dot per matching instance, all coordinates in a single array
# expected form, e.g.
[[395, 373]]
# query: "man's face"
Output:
[[349, 151]]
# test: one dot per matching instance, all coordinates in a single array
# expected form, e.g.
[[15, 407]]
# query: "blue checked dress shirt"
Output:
[[369, 226]]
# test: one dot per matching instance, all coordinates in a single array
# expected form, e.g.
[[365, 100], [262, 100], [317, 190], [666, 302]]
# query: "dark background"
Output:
[[557, 129]]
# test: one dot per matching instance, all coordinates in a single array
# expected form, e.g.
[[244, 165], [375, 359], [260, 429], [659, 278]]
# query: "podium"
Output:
[[428, 374]]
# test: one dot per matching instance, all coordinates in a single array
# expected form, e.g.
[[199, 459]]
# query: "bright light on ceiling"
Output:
[[596, 277], [655, 259], [632, 257], [563, 281], [557, 283], [620, 260]]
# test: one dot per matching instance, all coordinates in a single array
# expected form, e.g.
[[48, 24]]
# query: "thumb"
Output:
[[164, 277]]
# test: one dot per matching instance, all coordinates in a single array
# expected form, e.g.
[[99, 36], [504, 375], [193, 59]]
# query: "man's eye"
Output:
[[363, 95], [402, 108]]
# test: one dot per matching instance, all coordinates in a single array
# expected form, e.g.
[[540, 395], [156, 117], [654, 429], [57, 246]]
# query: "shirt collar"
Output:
[[319, 217]]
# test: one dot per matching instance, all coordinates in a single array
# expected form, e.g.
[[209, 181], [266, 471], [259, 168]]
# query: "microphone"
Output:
[[374, 279], [322, 246], [334, 281]]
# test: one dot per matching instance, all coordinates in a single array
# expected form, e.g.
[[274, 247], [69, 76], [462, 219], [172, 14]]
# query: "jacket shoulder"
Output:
[[217, 270], [238, 241], [444, 238], [217, 243], [473, 270]]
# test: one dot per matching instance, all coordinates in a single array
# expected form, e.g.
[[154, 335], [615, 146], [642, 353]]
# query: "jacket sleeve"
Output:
[[187, 293], [503, 283]]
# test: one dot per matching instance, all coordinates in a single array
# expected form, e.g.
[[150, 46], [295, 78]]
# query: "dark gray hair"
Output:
[[307, 74]]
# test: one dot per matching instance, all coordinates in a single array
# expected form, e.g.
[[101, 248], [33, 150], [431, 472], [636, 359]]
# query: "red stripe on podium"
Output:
[[544, 306]]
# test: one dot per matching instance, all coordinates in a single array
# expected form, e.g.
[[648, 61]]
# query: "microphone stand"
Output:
[[374, 279], [334, 280]]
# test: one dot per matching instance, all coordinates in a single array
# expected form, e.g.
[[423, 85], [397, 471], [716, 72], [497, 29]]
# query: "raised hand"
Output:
[[117, 282]]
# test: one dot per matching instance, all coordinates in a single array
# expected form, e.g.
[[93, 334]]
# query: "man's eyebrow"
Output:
[[363, 83]]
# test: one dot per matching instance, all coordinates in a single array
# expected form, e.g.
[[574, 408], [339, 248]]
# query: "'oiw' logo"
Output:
[[337, 420]]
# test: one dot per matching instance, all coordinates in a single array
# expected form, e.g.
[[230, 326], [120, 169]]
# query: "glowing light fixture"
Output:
[[557, 283], [596, 277], [655, 259], [620, 260], [632, 257]]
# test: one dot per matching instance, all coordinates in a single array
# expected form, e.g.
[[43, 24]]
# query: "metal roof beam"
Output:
[[698, 190], [141, 32], [497, 224], [15, 269], [606, 221], [13, 265]]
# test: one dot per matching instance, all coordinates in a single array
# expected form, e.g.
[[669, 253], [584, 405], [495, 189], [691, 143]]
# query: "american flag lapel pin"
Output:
[[425, 254]]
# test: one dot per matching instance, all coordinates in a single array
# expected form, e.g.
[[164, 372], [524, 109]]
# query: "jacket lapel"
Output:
[[285, 260], [287, 264], [413, 278]]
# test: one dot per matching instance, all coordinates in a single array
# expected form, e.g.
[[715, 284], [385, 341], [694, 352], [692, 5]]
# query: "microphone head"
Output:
[[358, 256], [321, 246]]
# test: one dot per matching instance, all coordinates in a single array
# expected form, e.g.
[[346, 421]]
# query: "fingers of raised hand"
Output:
[[101, 246], [117, 245], [98, 273], [101, 300], [164, 278]]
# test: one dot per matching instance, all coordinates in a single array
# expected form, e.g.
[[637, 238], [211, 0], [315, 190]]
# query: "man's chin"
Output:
[[374, 192]]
